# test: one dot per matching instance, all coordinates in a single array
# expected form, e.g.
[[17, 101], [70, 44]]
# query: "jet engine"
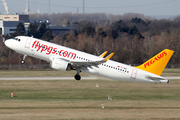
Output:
[[61, 65]]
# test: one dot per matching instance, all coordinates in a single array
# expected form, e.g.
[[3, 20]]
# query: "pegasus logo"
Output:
[[155, 59]]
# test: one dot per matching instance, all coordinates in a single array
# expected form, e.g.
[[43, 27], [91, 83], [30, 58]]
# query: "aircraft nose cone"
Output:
[[12, 44], [7, 43]]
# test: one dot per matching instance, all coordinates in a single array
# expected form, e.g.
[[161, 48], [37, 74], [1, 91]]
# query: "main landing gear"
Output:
[[77, 76], [23, 61]]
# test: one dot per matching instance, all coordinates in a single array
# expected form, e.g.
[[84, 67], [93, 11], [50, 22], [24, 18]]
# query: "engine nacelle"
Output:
[[61, 65]]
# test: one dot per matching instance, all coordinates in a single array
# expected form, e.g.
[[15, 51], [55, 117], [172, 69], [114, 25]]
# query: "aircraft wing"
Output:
[[85, 64], [90, 63]]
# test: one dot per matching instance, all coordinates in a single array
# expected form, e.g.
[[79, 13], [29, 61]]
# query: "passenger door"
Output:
[[134, 73], [28, 45]]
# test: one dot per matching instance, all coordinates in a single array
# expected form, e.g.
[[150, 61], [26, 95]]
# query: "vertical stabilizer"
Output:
[[157, 63]]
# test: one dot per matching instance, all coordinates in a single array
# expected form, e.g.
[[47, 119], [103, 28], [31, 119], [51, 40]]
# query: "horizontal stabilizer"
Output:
[[155, 78], [158, 79]]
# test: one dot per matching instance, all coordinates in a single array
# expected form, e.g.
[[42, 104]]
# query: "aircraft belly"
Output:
[[123, 76], [90, 70], [41, 56], [113, 74]]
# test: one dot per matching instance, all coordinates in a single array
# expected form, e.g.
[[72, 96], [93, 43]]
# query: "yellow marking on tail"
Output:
[[157, 63]]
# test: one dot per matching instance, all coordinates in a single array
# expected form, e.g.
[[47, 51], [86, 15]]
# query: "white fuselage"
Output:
[[114, 70]]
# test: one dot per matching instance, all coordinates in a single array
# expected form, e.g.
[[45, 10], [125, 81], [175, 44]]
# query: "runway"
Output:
[[172, 77], [70, 78], [46, 78]]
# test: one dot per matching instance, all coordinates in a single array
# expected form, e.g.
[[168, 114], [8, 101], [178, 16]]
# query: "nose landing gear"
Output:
[[23, 61]]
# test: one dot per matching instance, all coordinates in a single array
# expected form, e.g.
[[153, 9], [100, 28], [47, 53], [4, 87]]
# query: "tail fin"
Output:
[[157, 63]]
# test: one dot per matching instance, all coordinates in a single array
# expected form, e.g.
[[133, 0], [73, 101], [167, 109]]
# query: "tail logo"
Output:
[[154, 59], [157, 63]]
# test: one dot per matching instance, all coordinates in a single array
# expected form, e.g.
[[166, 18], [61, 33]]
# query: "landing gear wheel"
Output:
[[77, 77], [22, 62]]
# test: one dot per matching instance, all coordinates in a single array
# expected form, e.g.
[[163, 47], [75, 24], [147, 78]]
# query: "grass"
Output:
[[171, 72], [89, 109], [79, 100], [76, 100], [84, 90]]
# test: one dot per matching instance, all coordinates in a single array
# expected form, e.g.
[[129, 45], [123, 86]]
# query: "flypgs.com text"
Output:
[[52, 50]]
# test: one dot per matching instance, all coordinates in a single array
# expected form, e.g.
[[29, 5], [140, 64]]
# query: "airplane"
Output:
[[66, 59]]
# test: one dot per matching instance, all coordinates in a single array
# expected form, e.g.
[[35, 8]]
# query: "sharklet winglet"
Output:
[[102, 55], [108, 57]]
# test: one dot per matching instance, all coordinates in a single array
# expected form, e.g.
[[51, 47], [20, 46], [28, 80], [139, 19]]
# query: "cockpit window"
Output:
[[17, 39]]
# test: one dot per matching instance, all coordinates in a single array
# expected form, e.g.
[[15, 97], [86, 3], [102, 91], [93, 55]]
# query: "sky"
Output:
[[146, 7]]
